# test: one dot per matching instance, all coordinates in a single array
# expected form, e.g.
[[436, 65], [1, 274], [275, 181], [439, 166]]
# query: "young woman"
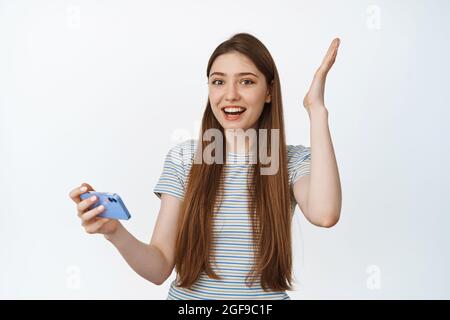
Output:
[[226, 225]]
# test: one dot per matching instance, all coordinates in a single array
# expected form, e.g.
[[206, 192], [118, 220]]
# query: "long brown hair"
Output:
[[269, 194]]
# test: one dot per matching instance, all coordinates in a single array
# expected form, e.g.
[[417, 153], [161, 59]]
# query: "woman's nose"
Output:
[[231, 92]]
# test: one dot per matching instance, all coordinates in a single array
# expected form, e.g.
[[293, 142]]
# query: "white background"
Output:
[[98, 91]]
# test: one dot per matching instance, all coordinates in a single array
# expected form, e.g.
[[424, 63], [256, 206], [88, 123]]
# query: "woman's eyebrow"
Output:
[[237, 74]]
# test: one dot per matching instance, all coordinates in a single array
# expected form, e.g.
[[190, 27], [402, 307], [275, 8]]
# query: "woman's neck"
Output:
[[241, 141]]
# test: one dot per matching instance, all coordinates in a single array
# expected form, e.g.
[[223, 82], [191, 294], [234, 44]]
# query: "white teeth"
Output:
[[233, 109]]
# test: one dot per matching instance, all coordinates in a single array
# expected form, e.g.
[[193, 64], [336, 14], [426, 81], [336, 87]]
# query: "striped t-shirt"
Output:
[[232, 229]]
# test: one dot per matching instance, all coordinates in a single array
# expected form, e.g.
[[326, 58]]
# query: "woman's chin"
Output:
[[234, 126]]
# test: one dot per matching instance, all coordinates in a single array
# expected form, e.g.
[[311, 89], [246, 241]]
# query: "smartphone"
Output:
[[114, 206]]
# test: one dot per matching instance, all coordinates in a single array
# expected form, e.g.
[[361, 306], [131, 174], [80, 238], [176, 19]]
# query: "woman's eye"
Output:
[[247, 82], [215, 82]]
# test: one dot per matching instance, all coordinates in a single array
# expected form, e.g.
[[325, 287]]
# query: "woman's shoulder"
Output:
[[297, 149], [297, 153], [183, 152], [186, 147]]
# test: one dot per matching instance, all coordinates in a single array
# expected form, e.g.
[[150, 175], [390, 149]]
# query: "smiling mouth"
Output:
[[233, 111]]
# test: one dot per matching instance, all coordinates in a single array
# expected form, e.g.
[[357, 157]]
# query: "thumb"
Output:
[[88, 186]]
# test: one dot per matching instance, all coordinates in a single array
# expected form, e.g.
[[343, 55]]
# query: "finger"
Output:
[[330, 56], [86, 204], [75, 193], [95, 226], [89, 215], [332, 49], [87, 223]]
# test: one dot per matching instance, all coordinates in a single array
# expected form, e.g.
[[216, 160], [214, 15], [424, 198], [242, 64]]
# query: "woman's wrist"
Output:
[[115, 236], [317, 111]]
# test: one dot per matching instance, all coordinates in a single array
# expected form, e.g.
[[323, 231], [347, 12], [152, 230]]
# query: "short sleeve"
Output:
[[299, 162], [171, 180]]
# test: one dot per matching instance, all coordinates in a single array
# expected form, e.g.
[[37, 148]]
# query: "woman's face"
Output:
[[237, 91]]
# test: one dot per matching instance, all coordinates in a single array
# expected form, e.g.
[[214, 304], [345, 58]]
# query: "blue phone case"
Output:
[[114, 206]]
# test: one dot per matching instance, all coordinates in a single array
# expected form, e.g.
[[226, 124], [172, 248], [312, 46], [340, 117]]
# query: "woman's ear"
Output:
[[269, 93]]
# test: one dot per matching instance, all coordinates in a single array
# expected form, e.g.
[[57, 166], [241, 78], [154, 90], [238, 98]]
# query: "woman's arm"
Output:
[[154, 261], [320, 195]]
